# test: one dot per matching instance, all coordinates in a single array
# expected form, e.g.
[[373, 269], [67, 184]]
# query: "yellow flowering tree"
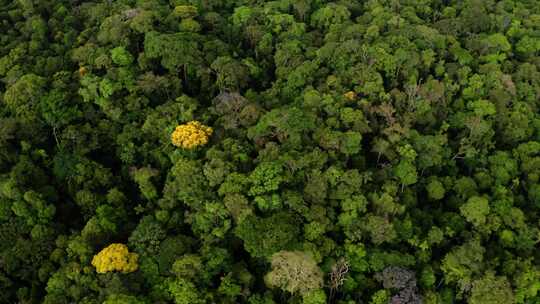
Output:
[[350, 95], [191, 135], [82, 71], [115, 257]]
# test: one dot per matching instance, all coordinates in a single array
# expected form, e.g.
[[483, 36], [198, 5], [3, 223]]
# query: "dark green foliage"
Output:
[[361, 151], [146, 237], [264, 236]]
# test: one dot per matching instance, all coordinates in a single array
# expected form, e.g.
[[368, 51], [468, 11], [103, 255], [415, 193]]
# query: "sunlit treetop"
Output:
[[83, 71], [115, 257], [191, 135], [350, 95]]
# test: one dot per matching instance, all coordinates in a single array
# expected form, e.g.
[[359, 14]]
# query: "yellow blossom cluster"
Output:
[[82, 71], [350, 95], [115, 257], [191, 135]]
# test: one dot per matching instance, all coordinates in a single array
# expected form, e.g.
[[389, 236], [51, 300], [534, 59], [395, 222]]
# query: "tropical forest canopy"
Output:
[[264, 152]]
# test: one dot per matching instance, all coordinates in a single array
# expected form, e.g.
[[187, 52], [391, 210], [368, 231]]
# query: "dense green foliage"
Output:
[[378, 151]]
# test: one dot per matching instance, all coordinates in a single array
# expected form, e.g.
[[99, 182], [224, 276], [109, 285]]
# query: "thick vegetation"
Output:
[[259, 152]]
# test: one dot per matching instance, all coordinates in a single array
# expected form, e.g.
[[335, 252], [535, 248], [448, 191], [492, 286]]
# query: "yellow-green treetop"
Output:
[[191, 135], [115, 257], [350, 95]]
